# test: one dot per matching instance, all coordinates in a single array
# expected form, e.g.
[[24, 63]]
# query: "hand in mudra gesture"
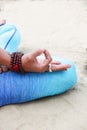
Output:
[[31, 63]]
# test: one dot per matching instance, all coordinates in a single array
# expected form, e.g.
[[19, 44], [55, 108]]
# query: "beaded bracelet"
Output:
[[16, 64]]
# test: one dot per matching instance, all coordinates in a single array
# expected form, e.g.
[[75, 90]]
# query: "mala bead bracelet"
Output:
[[16, 64]]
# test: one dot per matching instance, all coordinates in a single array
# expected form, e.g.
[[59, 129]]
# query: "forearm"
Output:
[[4, 58]]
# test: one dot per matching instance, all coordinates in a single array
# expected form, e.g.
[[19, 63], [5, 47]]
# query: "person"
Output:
[[29, 62]]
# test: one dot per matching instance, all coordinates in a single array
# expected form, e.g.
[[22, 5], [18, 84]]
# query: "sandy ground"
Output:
[[61, 27]]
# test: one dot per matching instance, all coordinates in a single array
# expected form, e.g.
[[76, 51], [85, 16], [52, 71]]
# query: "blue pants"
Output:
[[18, 88]]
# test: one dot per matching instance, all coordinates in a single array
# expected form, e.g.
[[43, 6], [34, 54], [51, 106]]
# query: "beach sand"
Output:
[[61, 27]]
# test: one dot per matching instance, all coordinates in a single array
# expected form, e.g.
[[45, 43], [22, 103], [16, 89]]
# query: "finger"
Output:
[[48, 58], [56, 62], [60, 67], [37, 53], [47, 55]]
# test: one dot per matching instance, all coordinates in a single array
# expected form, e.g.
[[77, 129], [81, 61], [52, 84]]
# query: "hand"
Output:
[[30, 62]]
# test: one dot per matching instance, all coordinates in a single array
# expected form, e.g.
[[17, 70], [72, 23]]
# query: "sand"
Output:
[[61, 27]]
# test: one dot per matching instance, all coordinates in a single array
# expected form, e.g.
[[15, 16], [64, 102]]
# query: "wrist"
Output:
[[16, 62], [23, 61], [6, 60]]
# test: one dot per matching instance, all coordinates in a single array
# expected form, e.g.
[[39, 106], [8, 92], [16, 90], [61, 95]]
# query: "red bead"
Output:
[[15, 67]]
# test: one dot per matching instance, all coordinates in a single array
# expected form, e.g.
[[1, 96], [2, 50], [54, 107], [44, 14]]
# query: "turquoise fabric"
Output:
[[9, 37], [18, 88]]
